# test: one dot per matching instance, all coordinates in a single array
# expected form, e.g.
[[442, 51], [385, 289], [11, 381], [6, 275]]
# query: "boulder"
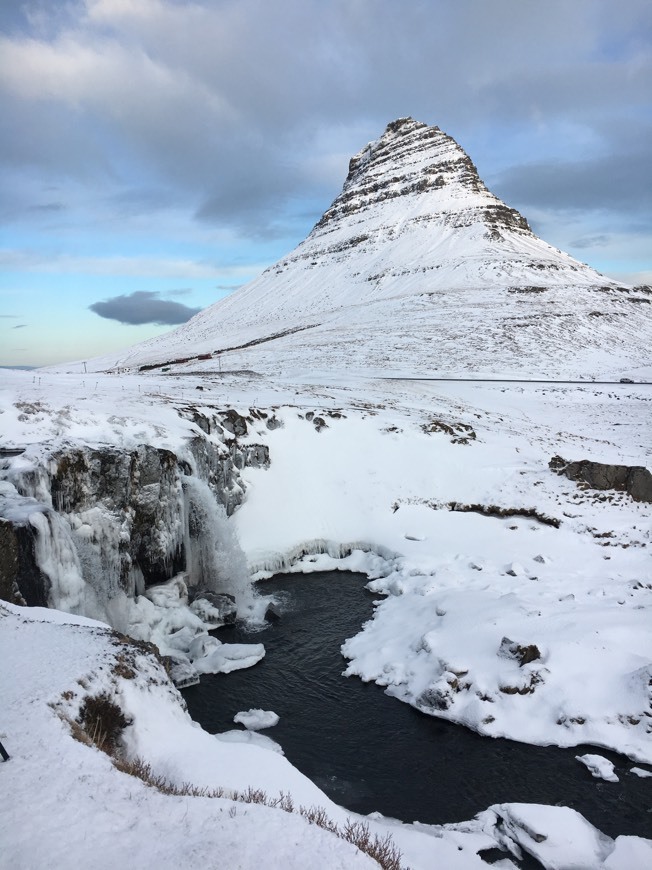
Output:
[[633, 479], [214, 608]]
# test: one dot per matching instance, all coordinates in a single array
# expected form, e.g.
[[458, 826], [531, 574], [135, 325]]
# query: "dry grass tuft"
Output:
[[382, 849], [100, 724], [103, 721]]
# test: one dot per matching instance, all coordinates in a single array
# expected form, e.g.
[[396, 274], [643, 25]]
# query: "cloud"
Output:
[[597, 241], [144, 306], [232, 103], [616, 181], [48, 207], [135, 267], [19, 326], [234, 113]]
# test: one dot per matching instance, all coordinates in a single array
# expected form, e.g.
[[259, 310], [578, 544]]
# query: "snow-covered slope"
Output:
[[417, 268]]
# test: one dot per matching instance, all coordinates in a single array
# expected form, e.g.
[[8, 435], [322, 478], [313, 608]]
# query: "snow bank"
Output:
[[464, 587]]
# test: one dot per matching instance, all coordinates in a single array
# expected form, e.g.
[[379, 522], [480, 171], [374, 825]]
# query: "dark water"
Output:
[[368, 751]]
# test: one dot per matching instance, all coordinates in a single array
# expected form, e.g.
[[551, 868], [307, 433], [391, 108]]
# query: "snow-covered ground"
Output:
[[362, 476], [64, 804]]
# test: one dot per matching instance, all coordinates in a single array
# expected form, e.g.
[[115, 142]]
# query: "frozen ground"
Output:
[[363, 475]]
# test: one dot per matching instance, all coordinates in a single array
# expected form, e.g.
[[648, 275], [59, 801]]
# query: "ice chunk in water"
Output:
[[256, 720]]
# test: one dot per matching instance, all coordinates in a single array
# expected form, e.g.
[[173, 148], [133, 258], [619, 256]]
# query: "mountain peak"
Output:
[[413, 159]]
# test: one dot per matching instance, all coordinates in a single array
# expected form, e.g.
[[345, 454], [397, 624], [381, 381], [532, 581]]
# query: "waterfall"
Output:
[[214, 560]]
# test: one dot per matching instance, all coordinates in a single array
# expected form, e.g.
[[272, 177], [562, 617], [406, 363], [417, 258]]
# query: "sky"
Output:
[[157, 154]]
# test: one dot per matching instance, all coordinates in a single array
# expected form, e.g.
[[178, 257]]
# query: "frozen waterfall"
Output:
[[214, 560]]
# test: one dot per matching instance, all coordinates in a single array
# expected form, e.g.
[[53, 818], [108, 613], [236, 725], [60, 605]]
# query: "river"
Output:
[[370, 752]]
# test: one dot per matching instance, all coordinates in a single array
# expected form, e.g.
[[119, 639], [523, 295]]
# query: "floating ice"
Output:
[[252, 738], [638, 771], [601, 768], [256, 720], [226, 657]]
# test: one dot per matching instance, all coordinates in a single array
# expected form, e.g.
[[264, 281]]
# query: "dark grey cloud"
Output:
[[144, 306], [19, 326]]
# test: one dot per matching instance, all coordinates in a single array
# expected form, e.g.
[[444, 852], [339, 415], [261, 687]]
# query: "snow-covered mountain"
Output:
[[417, 268]]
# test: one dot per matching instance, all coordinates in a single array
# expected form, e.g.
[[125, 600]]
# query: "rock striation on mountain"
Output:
[[418, 269]]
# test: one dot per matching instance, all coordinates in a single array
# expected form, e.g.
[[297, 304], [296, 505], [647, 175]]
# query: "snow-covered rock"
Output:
[[558, 837]]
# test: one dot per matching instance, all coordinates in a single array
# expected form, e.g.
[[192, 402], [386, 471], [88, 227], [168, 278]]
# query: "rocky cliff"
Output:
[[82, 526]]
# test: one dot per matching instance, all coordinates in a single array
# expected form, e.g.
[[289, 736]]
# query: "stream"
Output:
[[370, 752]]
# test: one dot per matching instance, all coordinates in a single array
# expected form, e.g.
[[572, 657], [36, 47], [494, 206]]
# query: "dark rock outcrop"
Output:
[[21, 580], [633, 479], [509, 649], [123, 512]]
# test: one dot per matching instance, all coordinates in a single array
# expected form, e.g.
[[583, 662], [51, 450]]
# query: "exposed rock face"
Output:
[[417, 267], [21, 580], [390, 168], [118, 519], [633, 479], [141, 491]]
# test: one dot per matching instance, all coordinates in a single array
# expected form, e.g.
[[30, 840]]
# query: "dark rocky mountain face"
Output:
[[397, 150]]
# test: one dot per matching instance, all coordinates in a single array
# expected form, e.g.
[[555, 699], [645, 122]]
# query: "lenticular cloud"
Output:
[[144, 306]]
